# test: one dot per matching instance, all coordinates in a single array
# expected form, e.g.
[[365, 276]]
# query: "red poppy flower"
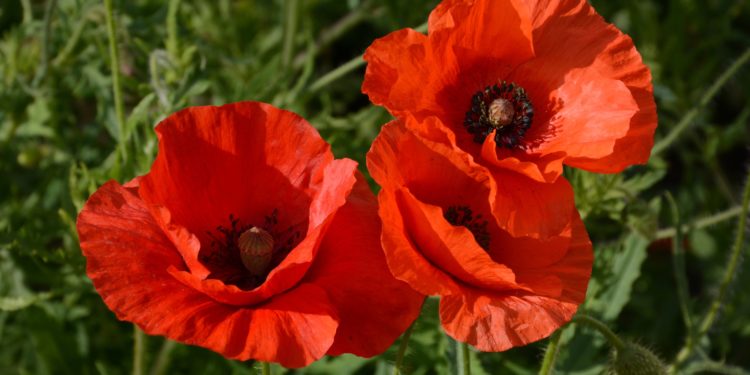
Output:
[[247, 238], [441, 234], [524, 86]]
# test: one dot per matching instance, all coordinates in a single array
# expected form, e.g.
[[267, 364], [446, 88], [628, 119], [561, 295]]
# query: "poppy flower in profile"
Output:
[[442, 234], [525, 87], [246, 237]]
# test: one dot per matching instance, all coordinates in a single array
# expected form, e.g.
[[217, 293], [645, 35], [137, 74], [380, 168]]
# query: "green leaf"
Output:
[[22, 302], [626, 266]]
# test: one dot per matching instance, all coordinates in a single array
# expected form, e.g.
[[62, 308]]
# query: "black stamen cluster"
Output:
[[463, 216], [477, 121]]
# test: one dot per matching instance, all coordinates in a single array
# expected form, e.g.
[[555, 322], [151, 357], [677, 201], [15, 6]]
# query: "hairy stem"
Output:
[[688, 118], [138, 350], [601, 327], [402, 349], [550, 355], [701, 223], [114, 57]]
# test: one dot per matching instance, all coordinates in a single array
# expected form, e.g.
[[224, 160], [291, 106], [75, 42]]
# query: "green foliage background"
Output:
[[59, 141]]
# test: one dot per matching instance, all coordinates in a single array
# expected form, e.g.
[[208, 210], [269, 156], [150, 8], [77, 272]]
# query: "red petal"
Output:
[[452, 248], [373, 307], [332, 186], [245, 159], [404, 259], [127, 259], [569, 36], [493, 321]]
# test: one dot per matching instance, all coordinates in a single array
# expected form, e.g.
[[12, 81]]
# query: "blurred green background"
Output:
[[59, 141]]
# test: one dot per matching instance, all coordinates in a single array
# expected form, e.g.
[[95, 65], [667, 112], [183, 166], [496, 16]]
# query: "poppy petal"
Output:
[[477, 24], [570, 35], [526, 207], [244, 159], [404, 259], [333, 186], [452, 248], [128, 255], [496, 321], [351, 268]]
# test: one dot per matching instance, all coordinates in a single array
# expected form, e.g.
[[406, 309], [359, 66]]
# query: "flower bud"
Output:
[[634, 359], [256, 248]]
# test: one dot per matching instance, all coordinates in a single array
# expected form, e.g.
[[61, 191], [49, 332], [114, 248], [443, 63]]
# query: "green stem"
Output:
[[163, 358], [44, 58], [173, 43], [343, 25], [138, 350], [72, 41], [678, 267], [265, 368], [734, 261], [550, 355], [337, 73], [345, 69], [602, 328], [688, 118], [701, 223], [290, 28], [402, 349], [464, 359], [114, 58]]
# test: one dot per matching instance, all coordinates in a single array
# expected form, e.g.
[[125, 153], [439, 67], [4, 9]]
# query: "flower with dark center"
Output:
[[443, 237], [248, 238], [525, 87], [502, 109], [464, 217]]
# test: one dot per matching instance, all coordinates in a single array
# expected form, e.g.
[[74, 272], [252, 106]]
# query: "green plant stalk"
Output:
[[402, 349], [345, 69], [163, 358], [550, 355], [701, 223], [44, 58], [114, 58], [72, 41], [601, 327], [173, 42], [688, 118], [678, 267], [265, 368], [731, 268], [464, 359], [138, 350], [734, 261], [346, 23], [290, 28]]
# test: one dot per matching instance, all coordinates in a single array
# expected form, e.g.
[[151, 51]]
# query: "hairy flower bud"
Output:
[[634, 359], [256, 248]]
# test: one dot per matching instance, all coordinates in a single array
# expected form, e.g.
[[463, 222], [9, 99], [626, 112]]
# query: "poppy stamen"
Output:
[[462, 216], [503, 108], [244, 255]]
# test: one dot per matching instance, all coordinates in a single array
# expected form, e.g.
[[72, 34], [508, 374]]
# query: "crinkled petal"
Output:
[[528, 208], [373, 307], [128, 255], [402, 255], [333, 185], [244, 159], [493, 321], [569, 35], [452, 248]]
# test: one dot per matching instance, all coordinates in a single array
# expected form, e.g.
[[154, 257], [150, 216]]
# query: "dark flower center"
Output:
[[244, 254], [464, 217], [503, 108]]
